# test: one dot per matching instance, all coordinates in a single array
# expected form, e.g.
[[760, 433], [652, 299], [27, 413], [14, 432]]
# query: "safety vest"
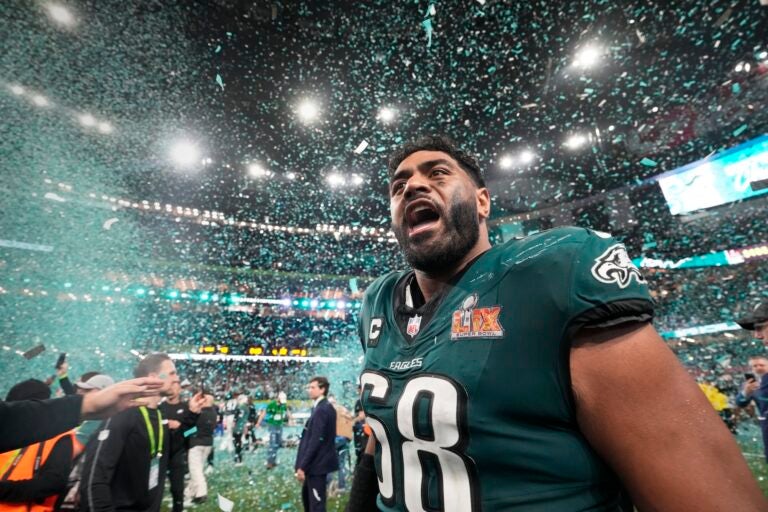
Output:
[[23, 464]]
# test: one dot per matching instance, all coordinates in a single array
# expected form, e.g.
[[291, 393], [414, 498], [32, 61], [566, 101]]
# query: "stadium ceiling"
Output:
[[559, 100]]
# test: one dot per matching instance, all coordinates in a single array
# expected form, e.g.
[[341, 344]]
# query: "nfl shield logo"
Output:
[[414, 323]]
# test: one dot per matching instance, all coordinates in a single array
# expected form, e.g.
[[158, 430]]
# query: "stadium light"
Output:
[[506, 162], [60, 14], [576, 141], [587, 57], [257, 171], [335, 179], [86, 119], [184, 153], [40, 100], [105, 127], [308, 111], [387, 115], [526, 156]]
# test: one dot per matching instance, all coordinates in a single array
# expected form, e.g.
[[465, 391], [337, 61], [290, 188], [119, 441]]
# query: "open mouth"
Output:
[[420, 217]]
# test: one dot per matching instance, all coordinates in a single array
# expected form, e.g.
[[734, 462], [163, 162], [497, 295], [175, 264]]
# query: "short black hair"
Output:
[[150, 364], [322, 383], [31, 389], [443, 144]]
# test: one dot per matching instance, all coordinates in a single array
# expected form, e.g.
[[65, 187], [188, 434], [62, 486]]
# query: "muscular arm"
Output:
[[643, 413]]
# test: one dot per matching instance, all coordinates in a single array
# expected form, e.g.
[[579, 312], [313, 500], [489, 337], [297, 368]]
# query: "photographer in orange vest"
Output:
[[32, 477]]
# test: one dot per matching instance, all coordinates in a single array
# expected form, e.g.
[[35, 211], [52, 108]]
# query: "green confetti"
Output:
[[190, 432], [220, 81], [738, 131], [648, 162], [218, 49]]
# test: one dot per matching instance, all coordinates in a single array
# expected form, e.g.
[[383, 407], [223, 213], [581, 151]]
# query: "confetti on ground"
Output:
[[224, 504]]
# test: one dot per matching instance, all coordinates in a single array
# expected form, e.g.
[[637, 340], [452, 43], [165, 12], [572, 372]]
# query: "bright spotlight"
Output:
[[308, 111], [576, 141], [86, 119], [587, 57], [387, 114], [335, 179], [105, 127], [357, 180], [185, 153], [257, 171], [526, 156], [60, 14], [40, 100], [17, 90], [506, 162]]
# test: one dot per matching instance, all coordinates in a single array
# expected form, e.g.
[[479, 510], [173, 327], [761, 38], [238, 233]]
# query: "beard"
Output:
[[442, 251]]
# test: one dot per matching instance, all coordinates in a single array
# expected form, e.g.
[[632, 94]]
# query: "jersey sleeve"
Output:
[[606, 288], [360, 328]]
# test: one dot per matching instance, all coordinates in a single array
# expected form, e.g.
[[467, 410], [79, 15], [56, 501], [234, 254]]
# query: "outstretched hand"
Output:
[[197, 402], [118, 397]]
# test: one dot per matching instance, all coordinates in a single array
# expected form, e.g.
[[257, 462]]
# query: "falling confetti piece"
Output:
[[738, 131], [427, 24], [648, 162], [190, 432], [225, 505], [361, 147], [109, 222], [218, 49], [220, 81], [353, 285]]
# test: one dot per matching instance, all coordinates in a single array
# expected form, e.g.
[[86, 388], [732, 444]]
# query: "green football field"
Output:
[[254, 489]]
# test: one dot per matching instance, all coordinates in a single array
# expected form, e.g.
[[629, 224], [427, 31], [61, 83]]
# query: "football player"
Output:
[[527, 375]]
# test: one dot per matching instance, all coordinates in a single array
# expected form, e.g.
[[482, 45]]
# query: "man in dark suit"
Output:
[[317, 450]]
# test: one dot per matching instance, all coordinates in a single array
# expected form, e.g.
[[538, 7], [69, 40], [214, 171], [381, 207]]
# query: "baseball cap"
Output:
[[758, 316], [99, 381]]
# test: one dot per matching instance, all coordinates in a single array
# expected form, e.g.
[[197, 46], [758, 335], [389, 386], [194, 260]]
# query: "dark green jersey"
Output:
[[277, 413], [473, 410]]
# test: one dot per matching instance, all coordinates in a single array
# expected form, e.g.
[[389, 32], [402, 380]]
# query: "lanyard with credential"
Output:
[[153, 450]]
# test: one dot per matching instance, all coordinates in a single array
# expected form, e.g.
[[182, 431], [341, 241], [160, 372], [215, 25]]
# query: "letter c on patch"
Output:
[[374, 331]]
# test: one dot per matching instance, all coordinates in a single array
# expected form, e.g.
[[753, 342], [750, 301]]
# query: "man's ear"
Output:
[[483, 198]]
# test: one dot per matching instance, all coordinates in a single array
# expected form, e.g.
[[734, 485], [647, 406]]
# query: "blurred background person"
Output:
[[276, 415], [200, 446], [176, 412]]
